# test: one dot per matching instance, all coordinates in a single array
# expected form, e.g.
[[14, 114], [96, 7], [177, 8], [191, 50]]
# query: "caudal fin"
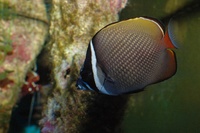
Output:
[[172, 38]]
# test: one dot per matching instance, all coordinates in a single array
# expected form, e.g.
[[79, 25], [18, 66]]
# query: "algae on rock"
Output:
[[72, 25], [23, 29]]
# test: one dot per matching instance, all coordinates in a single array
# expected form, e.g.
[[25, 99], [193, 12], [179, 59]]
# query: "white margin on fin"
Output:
[[97, 81]]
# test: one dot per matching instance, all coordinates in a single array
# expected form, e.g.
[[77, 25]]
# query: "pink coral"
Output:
[[48, 128], [117, 5], [21, 49]]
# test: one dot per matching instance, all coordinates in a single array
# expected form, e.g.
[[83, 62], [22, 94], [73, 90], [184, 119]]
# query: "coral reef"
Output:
[[23, 29], [24, 26], [72, 25]]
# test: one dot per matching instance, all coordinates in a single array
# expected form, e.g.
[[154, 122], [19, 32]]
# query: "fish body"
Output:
[[126, 56]]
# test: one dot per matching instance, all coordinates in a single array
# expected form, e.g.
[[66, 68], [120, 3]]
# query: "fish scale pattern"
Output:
[[127, 55]]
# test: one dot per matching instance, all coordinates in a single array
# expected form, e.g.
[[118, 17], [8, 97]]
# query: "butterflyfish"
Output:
[[126, 56]]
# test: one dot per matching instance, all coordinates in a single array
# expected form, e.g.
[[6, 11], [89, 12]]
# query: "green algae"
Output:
[[7, 12]]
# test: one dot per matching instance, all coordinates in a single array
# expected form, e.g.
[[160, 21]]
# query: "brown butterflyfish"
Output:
[[126, 56]]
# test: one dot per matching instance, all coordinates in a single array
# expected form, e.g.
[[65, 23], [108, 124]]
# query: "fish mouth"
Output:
[[81, 85]]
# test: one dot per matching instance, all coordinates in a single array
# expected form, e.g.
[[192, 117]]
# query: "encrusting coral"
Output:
[[23, 29], [72, 25]]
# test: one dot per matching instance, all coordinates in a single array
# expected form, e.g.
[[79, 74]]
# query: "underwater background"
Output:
[[171, 106]]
